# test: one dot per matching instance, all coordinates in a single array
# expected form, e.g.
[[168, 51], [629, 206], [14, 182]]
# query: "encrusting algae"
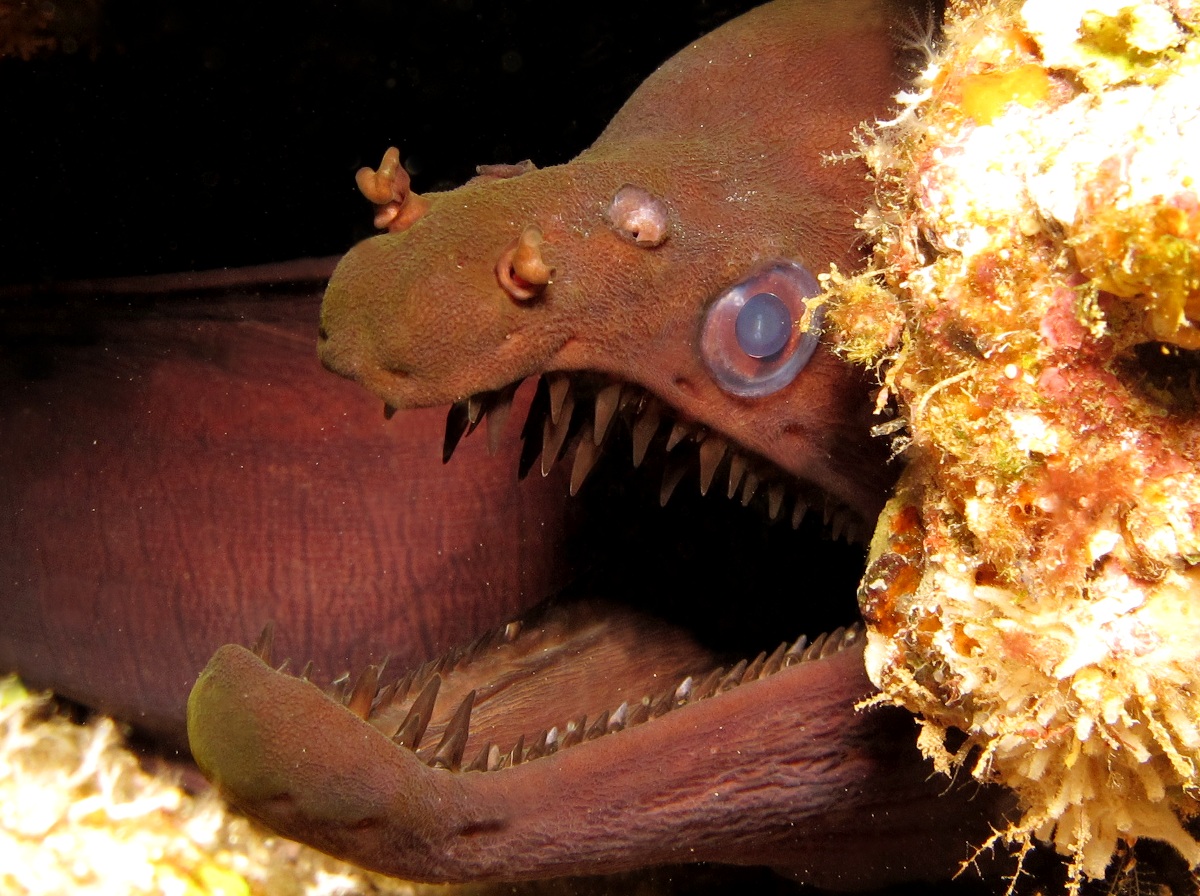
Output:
[[1033, 309], [78, 814]]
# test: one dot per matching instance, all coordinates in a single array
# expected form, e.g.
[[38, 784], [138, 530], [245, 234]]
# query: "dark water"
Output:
[[175, 136]]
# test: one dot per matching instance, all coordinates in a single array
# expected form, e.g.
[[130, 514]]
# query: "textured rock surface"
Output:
[[1033, 315]]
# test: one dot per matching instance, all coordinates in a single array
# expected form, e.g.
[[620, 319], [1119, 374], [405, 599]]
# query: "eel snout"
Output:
[[427, 778]]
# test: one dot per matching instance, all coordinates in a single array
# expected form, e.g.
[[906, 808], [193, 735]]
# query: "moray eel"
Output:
[[171, 444], [663, 284]]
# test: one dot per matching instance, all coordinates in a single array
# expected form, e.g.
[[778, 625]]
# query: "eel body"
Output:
[[178, 472], [595, 743]]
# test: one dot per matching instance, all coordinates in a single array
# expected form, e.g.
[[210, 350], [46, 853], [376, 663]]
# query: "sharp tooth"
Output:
[[480, 762], [532, 430], [671, 477], [833, 643], [512, 631], [814, 650], [638, 714], [560, 387], [644, 428], [755, 668], [497, 416], [362, 695], [574, 733], [388, 411], [662, 705], [774, 499], [616, 721], [517, 755], [708, 685], [737, 469], [495, 757], [386, 695], [712, 452], [607, 400], [554, 434], [412, 729], [339, 686], [598, 728], [774, 662], [684, 691], [307, 671], [734, 678], [449, 751], [838, 525], [798, 512], [403, 684], [795, 653], [265, 644], [456, 426], [679, 431], [475, 406], [587, 452], [749, 487], [539, 748]]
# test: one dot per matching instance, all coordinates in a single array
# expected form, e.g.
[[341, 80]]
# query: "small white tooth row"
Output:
[[420, 689]]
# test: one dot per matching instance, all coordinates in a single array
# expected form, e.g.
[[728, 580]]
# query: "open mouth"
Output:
[[708, 721], [583, 668]]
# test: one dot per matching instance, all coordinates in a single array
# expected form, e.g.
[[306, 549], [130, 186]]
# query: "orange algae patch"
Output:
[[1150, 255], [986, 94]]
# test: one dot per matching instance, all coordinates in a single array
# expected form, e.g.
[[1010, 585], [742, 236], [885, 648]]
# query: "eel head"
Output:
[[634, 261]]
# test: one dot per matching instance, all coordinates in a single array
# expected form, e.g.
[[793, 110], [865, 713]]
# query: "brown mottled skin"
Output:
[[731, 134], [784, 771], [176, 471]]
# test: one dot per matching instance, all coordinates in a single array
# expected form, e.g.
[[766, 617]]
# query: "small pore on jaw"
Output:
[[639, 215], [684, 385]]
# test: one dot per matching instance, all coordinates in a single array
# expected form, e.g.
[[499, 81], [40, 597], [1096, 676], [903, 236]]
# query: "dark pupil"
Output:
[[763, 325]]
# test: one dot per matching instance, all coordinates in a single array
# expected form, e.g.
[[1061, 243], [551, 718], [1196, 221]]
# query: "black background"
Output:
[[175, 136]]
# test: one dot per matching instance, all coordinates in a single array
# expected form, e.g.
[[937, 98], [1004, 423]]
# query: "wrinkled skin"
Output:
[[525, 272], [178, 471]]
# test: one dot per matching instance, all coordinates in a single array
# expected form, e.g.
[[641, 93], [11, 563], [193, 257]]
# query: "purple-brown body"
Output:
[[178, 471]]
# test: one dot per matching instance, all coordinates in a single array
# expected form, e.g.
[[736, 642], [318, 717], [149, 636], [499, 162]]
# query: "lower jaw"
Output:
[[780, 771]]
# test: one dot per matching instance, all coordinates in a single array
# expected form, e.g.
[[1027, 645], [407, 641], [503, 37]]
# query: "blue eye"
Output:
[[763, 325], [751, 339]]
